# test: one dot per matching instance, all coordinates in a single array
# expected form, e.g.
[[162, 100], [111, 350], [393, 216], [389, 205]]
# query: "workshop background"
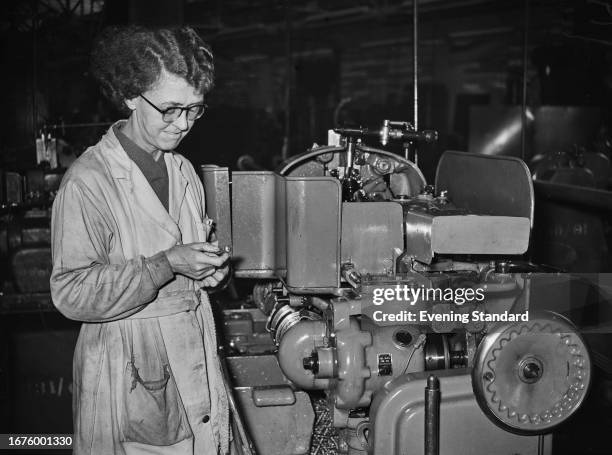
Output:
[[529, 78]]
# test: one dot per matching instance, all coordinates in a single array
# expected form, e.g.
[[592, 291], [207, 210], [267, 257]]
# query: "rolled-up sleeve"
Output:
[[85, 286]]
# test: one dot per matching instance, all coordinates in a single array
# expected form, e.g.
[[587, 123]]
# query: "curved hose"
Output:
[[290, 163]]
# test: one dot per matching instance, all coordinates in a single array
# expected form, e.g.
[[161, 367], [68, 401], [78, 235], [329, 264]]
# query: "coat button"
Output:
[[206, 418]]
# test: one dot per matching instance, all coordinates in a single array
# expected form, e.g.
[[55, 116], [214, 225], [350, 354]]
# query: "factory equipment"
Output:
[[405, 303], [572, 181], [25, 229]]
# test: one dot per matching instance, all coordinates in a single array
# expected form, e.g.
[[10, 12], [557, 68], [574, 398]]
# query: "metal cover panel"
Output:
[[257, 236], [217, 193], [255, 371], [474, 234], [285, 429], [486, 185], [428, 234], [370, 232], [313, 232], [397, 414], [278, 430]]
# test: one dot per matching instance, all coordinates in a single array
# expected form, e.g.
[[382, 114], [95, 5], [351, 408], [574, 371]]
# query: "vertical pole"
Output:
[[432, 416], [415, 64], [524, 88], [288, 78], [34, 67], [415, 75]]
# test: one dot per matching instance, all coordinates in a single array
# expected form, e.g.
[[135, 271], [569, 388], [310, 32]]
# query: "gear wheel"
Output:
[[531, 376]]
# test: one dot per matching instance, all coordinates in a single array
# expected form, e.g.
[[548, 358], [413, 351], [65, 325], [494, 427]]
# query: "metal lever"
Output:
[[432, 416], [391, 130]]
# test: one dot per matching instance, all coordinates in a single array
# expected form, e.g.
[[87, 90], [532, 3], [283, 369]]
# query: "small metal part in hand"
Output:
[[220, 251]]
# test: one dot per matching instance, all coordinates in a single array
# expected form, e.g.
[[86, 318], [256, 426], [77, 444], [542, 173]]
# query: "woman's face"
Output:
[[146, 126]]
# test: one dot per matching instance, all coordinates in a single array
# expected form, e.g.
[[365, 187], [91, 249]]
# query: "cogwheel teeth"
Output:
[[566, 403]]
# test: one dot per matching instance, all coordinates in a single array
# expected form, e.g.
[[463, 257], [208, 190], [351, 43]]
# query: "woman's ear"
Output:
[[131, 103]]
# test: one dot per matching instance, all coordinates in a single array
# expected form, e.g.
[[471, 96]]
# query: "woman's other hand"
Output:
[[216, 278]]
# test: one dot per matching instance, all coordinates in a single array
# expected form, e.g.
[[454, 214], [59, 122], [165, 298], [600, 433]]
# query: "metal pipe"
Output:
[[34, 70], [350, 147], [432, 416], [286, 167], [319, 303], [289, 70], [524, 88], [411, 149], [296, 344], [415, 65]]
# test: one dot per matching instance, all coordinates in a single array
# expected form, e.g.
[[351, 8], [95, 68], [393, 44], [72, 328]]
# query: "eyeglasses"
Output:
[[170, 114]]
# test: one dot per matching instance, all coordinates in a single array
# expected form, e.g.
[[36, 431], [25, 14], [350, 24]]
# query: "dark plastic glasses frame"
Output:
[[170, 114]]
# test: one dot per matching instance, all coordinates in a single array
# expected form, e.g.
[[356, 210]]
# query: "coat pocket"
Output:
[[153, 413]]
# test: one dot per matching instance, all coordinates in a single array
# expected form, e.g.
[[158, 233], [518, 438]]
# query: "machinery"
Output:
[[405, 304], [25, 229]]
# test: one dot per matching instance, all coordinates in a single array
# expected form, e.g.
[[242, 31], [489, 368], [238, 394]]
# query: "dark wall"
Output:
[[358, 57]]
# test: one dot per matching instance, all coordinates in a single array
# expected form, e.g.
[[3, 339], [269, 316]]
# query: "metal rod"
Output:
[[34, 69], [350, 147], [432, 416], [415, 64], [289, 70], [524, 88]]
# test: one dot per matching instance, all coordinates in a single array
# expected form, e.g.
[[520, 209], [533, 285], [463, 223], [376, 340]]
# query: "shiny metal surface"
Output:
[[313, 232], [429, 234], [217, 190], [258, 233], [371, 233]]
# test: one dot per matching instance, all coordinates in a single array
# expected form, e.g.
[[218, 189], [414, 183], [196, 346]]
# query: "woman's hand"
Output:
[[198, 261], [216, 278]]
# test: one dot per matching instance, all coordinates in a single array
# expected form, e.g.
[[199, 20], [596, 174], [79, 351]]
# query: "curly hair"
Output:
[[128, 61]]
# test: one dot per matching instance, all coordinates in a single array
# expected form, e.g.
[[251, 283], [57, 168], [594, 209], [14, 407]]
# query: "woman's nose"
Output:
[[182, 122]]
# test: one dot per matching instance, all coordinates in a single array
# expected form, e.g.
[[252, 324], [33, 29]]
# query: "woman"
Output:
[[132, 257]]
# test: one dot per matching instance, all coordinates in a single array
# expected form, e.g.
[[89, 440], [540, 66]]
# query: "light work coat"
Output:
[[147, 377]]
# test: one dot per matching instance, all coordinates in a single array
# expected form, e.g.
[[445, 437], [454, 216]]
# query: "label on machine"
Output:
[[385, 367]]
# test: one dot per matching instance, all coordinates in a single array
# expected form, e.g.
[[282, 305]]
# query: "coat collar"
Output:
[[124, 169], [121, 166]]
